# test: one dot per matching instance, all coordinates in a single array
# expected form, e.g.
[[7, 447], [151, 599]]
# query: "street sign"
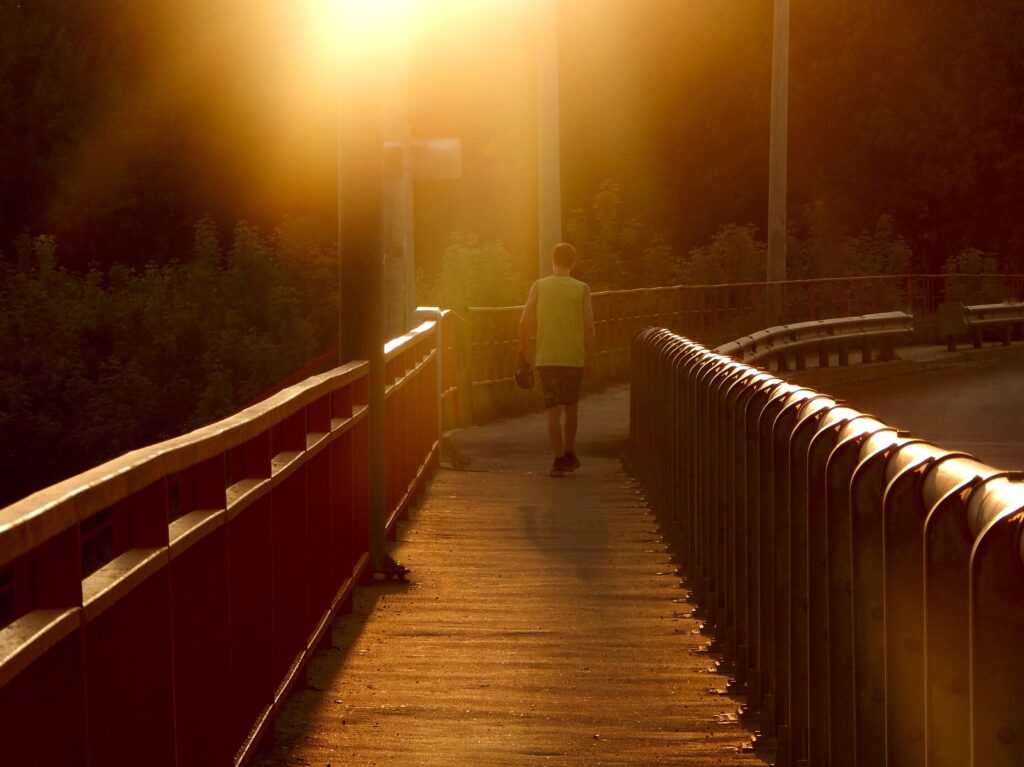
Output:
[[433, 159]]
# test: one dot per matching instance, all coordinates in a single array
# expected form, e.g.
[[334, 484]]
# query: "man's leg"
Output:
[[555, 430], [570, 425]]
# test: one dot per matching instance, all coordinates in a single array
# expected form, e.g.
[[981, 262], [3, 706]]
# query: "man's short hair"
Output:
[[563, 255]]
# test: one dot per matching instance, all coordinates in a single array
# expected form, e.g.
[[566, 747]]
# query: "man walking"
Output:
[[559, 312]]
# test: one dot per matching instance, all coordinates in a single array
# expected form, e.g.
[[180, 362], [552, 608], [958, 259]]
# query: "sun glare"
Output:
[[343, 31], [340, 28]]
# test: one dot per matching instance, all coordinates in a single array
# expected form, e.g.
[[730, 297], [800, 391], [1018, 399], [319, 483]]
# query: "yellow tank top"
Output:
[[560, 322]]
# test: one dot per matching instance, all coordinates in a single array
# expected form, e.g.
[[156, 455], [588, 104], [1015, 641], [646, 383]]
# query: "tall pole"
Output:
[[361, 265], [777, 161], [399, 258], [548, 152]]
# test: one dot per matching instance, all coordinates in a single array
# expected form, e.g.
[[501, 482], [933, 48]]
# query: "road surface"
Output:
[[972, 401]]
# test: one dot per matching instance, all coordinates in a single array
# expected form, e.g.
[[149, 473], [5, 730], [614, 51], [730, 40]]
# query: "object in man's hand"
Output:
[[524, 375]]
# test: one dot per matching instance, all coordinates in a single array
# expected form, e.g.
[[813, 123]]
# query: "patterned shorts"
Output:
[[561, 385]]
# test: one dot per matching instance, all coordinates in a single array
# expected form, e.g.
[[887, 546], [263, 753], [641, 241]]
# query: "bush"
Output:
[[616, 251], [101, 363], [733, 255], [961, 286], [474, 274]]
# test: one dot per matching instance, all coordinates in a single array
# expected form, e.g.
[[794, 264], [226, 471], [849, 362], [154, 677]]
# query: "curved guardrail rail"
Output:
[[775, 346], [158, 608], [716, 314], [869, 586], [976, 320]]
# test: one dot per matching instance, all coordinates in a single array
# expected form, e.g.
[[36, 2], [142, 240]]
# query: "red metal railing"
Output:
[[481, 350], [412, 431], [217, 562]]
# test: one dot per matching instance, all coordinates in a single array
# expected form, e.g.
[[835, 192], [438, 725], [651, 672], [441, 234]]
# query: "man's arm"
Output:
[[589, 335], [528, 325]]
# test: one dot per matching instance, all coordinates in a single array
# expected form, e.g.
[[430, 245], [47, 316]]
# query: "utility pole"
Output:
[[548, 151], [399, 256], [777, 163], [361, 267]]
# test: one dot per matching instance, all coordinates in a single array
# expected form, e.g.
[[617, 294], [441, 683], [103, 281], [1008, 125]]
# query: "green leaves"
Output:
[[474, 273], [101, 363]]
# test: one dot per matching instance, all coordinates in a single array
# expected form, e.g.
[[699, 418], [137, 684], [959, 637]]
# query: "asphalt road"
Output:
[[974, 402]]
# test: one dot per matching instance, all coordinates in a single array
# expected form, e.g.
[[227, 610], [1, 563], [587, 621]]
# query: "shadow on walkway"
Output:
[[544, 620]]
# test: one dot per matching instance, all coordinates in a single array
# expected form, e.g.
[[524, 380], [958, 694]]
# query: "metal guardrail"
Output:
[[776, 346], [975, 320], [716, 314], [158, 608], [868, 586]]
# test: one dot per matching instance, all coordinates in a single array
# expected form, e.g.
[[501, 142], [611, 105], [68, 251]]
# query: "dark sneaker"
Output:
[[558, 467], [570, 461]]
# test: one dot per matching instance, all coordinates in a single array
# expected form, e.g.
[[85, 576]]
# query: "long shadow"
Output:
[[327, 664], [764, 749]]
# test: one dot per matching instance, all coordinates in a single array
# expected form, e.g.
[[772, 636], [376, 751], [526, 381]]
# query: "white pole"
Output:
[[777, 161], [548, 151], [398, 213]]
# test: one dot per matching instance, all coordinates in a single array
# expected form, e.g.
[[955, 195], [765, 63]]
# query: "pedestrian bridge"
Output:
[[777, 567]]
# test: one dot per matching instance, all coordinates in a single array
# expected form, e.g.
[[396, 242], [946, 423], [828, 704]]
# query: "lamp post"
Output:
[[777, 161], [548, 144], [361, 317], [399, 257]]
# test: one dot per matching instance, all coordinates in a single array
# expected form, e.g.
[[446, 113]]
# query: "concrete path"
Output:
[[543, 624]]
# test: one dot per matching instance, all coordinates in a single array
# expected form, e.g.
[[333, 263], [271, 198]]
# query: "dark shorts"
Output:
[[561, 385]]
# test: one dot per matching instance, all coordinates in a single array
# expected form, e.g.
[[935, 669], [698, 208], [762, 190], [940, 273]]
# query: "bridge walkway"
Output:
[[544, 623]]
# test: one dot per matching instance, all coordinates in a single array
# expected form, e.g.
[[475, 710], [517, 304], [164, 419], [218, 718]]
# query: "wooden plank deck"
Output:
[[543, 624]]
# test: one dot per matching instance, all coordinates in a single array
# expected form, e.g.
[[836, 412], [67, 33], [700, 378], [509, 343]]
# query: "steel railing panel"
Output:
[[867, 490], [758, 494], [786, 407], [866, 584], [827, 574], [996, 627], [903, 517], [839, 444], [946, 563], [803, 508]]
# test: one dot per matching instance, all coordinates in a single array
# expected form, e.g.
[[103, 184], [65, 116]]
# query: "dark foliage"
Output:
[[123, 123], [99, 364], [897, 108]]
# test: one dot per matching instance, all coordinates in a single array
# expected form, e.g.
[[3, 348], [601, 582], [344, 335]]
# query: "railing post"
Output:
[[867, 489], [903, 519], [807, 412], [996, 626]]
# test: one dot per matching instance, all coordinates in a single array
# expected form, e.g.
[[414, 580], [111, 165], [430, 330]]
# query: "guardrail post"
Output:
[[761, 692], [867, 488], [947, 550], [773, 696], [744, 482], [791, 731], [736, 579], [839, 447], [804, 510], [903, 519], [996, 628], [816, 540]]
